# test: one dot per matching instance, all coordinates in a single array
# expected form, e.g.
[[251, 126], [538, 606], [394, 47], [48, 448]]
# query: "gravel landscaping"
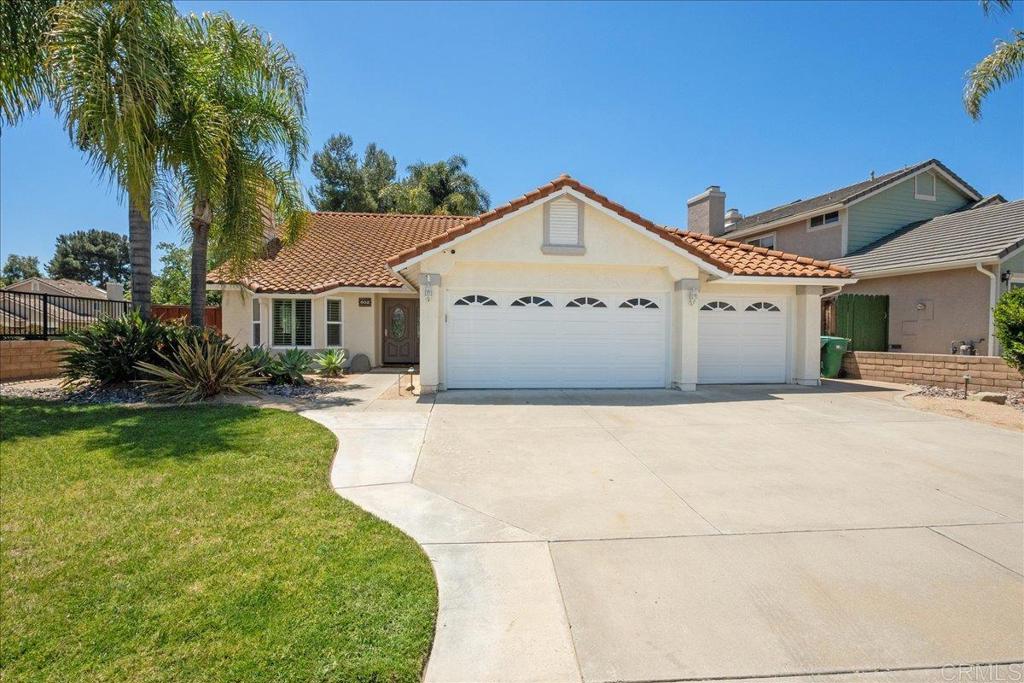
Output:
[[1014, 399]]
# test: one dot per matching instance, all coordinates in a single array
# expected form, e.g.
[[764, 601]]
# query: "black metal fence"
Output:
[[28, 315]]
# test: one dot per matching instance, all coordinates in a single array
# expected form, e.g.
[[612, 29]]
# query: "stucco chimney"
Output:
[[732, 217], [706, 211], [115, 291]]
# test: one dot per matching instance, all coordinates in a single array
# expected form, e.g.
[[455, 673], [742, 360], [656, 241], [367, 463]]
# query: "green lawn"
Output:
[[190, 544]]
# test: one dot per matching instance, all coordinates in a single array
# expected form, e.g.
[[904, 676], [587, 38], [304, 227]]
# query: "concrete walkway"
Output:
[[734, 533]]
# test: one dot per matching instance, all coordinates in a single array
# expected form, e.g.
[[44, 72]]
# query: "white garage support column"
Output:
[[684, 302], [431, 318], [808, 335]]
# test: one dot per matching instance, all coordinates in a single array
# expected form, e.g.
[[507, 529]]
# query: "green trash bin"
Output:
[[832, 350]]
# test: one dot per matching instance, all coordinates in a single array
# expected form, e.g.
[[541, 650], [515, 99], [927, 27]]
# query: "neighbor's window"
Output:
[[334, 310], [293, 322], [257, 335], [766, 241], [825, 219], [924, 186]]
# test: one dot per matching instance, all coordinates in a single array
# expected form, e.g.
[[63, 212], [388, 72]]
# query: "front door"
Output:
[[402, 331]]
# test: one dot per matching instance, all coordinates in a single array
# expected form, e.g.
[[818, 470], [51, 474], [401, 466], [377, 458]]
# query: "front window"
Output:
[[766, 241], [257, 336], [334, 322], [830, 218], [293, 322]]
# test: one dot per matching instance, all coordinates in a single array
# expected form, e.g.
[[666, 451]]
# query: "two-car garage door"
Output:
[[555, 340]]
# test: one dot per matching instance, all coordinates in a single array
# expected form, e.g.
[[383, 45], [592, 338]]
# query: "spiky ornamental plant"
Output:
[[238, 106], [110, 65]]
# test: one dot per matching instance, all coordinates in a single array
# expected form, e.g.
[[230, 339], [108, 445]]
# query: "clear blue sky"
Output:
[[648, 103]]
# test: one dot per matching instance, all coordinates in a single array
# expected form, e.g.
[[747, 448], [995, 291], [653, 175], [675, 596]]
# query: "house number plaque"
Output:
[[364, 301]]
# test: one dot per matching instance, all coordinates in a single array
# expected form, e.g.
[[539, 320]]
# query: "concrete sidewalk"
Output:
[[734, 532]]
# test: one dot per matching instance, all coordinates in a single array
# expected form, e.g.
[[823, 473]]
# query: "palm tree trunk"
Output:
[[201, 217], [140, 241]]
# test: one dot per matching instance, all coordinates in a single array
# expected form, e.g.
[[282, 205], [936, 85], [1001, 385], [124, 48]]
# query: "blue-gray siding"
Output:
[[875, 217]]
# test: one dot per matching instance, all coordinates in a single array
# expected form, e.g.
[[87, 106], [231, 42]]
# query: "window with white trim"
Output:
[[717, 306], [586, 302], [820, 221], [535, 301], [766, 241], [762, 306], [476, 300], [924, 186], [563, 216], [335, 310], [257, 323], [292, 322], [638, 302]]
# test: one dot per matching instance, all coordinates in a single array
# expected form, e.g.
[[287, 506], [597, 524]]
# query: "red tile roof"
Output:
[[340, 250], [359, 249]]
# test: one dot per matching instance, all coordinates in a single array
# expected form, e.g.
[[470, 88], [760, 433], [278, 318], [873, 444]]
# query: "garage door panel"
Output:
[[740, 345], [508, 346]]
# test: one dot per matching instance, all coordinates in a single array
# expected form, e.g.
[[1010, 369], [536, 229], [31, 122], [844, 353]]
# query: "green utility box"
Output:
[[832, 350]]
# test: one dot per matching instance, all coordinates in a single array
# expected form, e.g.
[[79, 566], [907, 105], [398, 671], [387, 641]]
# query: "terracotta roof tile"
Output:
[[360, 249]]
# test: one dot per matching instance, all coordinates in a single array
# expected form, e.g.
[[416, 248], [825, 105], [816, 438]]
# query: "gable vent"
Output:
[[564, 222]]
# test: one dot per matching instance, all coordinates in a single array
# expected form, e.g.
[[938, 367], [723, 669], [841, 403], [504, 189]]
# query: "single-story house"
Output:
[[561, 287]]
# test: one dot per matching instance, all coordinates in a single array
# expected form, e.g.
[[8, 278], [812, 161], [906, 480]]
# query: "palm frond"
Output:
[[24, 80], [1003, 65]]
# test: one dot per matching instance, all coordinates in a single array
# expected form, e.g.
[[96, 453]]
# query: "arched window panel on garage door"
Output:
[[534, 301], [638, 303], [476, 300], [586, 302], [717, 306], [763, 306]]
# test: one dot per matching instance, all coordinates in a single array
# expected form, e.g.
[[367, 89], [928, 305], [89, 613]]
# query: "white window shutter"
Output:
[[564, 222]]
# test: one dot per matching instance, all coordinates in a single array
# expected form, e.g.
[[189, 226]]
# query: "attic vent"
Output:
[[563, 223]]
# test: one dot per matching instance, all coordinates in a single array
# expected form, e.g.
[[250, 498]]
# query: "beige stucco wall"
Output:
[[360, 324], [822, 243], [955, 307]]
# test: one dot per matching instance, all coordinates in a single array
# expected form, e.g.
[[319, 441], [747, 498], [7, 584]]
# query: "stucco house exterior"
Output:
[[921, 236], [561, 287]]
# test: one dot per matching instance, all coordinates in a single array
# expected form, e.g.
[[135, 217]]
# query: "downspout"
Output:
[[993, 295]]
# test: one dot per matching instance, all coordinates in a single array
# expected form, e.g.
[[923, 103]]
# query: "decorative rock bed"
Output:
[[1014, 399]]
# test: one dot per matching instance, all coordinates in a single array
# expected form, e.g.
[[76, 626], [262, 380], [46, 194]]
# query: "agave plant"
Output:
[[200, 366], [331, 362], [290, 366], [259, 359]]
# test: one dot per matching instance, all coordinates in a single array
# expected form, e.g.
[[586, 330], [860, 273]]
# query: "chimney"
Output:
[[732, 217], [115, 291], [706, 211]]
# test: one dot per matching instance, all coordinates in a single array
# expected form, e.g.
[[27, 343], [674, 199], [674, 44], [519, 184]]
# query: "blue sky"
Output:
[[648, 103]]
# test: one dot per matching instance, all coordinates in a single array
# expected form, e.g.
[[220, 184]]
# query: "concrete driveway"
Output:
[[733, 533]]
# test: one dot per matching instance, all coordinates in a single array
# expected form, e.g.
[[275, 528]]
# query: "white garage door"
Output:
[[555, 340], [742, 340]]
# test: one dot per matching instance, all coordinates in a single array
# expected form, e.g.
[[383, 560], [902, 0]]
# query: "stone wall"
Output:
[[30, 359], [989, 373]]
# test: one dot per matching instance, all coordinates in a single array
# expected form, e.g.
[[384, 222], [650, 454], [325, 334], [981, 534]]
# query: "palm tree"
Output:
[[1003, 65], [239, 103], [441, 188], [24, 83], [110, 66]]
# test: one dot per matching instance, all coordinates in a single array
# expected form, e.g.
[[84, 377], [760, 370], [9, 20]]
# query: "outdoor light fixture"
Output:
[[967, 380], [692, 288], [427, 281]]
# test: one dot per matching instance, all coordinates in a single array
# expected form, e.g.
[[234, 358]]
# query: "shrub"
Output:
[[289, 367], [1009, 324], [259, 359], [109, 351], [199, 365], [331, 362]]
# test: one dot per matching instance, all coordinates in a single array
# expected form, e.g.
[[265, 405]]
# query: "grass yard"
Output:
[[187, 544]]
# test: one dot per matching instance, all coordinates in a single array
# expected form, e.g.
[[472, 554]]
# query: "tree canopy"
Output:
[[18, 268], [172, 284], [346, 182], [93, 256]]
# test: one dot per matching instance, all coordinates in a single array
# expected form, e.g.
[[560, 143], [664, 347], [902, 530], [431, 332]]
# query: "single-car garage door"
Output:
[[741, 340], [552, 339]]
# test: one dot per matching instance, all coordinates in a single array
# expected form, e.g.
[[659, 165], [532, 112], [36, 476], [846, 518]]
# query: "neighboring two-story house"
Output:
[[930, 253]]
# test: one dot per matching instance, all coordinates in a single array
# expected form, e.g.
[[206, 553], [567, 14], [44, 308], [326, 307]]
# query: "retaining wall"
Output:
[[940, 370], [30, 358]]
